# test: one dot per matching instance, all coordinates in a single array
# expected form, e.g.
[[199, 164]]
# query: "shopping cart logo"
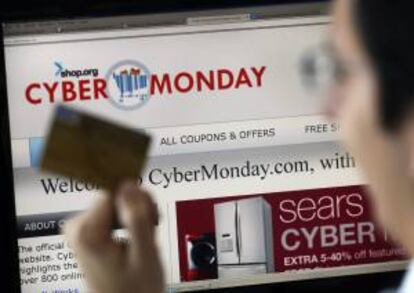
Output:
[[128, 84]]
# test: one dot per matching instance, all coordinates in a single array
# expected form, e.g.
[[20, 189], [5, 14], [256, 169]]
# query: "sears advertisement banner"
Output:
[[271, 233]]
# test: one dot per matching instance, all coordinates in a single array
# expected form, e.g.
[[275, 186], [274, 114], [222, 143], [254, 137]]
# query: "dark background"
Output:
[[18, 10], [38, 9]]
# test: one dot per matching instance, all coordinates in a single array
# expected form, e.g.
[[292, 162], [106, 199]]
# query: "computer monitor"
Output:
[[251, 183]]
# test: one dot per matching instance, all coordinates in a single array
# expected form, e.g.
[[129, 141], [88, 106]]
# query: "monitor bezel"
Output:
[[8, 247]]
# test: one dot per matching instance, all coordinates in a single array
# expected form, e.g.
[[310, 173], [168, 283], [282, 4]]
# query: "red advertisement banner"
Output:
[[309, 229]]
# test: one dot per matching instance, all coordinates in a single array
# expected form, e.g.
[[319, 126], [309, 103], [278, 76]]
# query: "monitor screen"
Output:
[[250, 180]]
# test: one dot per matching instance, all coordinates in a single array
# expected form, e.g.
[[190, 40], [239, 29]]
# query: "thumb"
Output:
[[91, 230], [138, 214]]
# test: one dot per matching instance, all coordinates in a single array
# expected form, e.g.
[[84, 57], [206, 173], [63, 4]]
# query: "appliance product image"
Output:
[[201, 257], [244, 237]]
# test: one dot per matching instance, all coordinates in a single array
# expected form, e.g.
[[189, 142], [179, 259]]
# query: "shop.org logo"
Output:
[[128, 84], [63, 72], [59, 68]]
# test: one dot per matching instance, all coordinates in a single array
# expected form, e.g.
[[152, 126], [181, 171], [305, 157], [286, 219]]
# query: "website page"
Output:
[[249, 178]]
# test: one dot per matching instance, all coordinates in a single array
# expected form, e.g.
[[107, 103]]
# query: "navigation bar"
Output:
[[211, 137]]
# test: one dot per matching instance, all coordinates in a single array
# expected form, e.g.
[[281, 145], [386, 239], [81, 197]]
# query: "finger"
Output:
[[91, 231], [139, 215]]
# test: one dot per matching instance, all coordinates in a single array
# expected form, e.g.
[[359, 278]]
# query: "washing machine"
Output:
[[201, 257]]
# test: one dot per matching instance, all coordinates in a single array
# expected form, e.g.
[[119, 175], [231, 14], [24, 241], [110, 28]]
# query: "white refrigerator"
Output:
[[244, 237]]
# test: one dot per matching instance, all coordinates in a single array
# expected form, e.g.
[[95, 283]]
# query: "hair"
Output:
[[387, 32]]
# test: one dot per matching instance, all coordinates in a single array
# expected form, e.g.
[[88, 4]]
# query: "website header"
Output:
[[240, 72]]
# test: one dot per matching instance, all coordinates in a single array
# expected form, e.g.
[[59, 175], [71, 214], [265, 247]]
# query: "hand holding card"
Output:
[[91, 149]]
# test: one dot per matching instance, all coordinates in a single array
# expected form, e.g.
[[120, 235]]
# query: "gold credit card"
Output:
[[90, 149]]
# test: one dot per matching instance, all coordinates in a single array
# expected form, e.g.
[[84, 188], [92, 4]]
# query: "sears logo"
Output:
[[128, 84]]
